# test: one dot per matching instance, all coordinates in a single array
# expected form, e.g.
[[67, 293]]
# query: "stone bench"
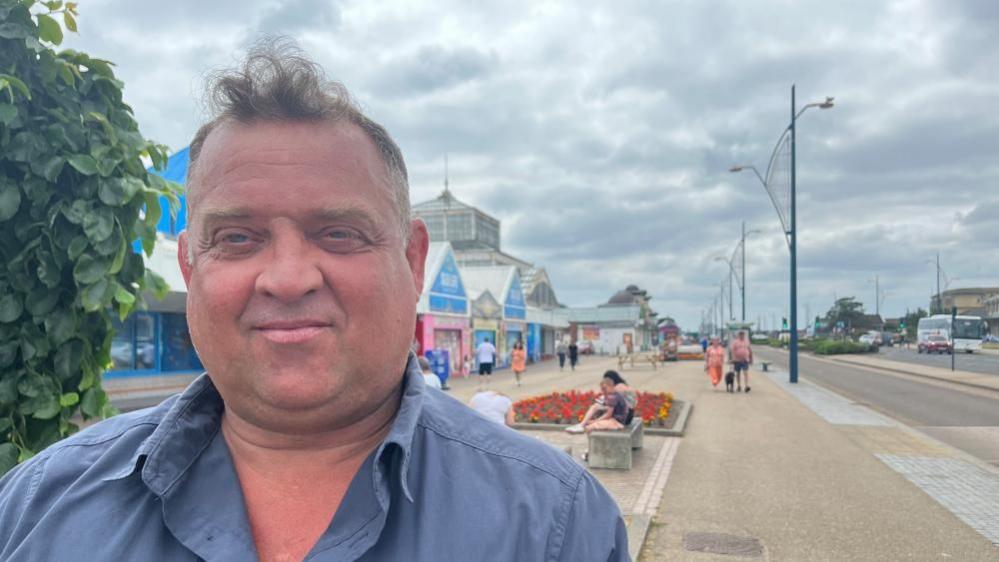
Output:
[[612, 449]]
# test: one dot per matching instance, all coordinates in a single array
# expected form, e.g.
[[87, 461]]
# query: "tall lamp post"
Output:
[[790, 230], [740, 274]]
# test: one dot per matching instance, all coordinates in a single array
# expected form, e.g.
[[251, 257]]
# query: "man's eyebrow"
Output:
[[349, 213]]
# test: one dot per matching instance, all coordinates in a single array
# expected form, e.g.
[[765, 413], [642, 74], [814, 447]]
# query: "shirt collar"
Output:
[[400, 437], [193, 420]]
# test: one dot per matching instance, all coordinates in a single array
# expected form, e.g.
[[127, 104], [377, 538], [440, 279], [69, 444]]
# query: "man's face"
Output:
[[302, 292]]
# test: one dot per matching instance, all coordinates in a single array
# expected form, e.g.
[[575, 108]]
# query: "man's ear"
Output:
[[416, 252], [183, 253]]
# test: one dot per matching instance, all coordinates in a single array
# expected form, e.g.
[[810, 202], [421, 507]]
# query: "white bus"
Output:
[[967, 331]]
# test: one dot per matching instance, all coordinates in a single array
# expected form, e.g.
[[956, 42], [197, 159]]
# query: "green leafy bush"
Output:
[[74, 194], [836, 347]]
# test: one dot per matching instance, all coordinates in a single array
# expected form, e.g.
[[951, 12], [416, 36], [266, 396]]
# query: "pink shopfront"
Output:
[[442, 313]]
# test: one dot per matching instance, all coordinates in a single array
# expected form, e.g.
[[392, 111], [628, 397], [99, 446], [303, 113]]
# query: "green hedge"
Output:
[[836, 347]]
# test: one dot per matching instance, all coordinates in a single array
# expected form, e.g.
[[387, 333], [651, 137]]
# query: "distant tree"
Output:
[[74, 195], [846, 310]]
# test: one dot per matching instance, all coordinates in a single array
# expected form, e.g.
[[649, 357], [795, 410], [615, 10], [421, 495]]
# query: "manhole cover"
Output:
[[722, 543]]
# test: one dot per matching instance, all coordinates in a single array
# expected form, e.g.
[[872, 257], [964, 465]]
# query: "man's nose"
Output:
[[292, 271]]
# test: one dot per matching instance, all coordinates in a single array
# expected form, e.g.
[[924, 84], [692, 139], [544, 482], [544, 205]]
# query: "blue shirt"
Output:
[[446, 484]]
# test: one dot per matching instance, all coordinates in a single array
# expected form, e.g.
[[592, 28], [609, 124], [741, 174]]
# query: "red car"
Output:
[[935, 344]]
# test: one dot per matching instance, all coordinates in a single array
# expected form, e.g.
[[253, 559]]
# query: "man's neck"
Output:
[[293, 483], [279, 452]]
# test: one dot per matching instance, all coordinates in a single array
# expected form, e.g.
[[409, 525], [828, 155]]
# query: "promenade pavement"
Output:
[[793, 472]]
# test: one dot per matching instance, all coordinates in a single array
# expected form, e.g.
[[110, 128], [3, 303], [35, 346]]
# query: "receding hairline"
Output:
[[220, 125]]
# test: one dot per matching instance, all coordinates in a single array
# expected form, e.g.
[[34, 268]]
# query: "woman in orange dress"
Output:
[[714, 361], [518, 360]]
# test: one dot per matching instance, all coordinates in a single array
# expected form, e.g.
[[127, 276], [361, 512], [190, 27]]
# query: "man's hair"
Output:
[[278, 83], [424, 364]]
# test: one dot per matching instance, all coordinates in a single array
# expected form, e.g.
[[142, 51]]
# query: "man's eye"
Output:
[[342, 240], [235, 238]]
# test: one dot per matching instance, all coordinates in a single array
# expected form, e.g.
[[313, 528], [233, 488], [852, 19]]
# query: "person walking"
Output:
[[573, 355], [486, 354], [714, 361], [741, 354], [518, 360], [560, 349]]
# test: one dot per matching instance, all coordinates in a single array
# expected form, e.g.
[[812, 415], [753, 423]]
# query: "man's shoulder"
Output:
[[448, 419], [99, 450]]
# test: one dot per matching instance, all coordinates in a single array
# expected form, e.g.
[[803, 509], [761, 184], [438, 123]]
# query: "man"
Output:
[[560, 349], [312, 434], [486, 356], [495, 406], [573, 355], [741, 355], [430, 378]]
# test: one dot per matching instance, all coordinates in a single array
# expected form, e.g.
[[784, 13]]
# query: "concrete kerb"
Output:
[[676, 431]]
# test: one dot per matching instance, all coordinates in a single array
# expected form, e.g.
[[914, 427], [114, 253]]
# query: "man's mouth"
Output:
[[298, 331]]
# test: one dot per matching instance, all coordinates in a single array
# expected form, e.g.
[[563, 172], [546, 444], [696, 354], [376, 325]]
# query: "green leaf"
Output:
[[53, 167], [49, 273], [70, 21], [123, 295], [119, 258], [5, 425], [93, 400], [69, 400], [7, 113], [45, 407], [68, 358], [33, 385], [16, 83], [98, 224], [77, 246], [49, 30], [77, 212], [41, 302], [8, 352], [60, 326], [118, 191], [84, 163], [9, 455], [92, 298], [10, 201], [10, 308], [89, 270]]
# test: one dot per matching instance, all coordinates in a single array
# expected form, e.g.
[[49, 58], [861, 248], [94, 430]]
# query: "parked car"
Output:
[[935, 344], [873, 340], [887, 339], [585, 347]]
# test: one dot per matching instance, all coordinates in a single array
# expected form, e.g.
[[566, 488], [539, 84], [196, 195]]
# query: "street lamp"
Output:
[[790, 230], [739, 274]]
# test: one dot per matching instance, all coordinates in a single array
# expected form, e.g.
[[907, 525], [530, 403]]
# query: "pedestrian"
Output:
[[429, 376], [741, 354], [573, 355], [704, 344], [486, 355], [560, 349], [714, 361], [311, 435], [518, 360], [495, 406]]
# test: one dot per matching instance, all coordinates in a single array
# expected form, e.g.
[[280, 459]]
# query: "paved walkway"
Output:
[[793, 473]]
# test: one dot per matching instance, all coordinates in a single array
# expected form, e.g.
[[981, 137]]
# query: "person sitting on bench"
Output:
[[612, 383]]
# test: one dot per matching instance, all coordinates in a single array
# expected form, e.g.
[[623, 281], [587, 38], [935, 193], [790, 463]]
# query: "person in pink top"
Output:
[[741, 355], [714, 361]]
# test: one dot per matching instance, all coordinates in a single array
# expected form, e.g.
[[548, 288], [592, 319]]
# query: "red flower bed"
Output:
[[569, 407]]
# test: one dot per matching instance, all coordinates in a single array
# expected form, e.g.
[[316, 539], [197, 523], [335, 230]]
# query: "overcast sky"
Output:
[[601, 133]]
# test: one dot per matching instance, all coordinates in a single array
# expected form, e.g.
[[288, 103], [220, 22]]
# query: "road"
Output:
[[967, 420], [973, 362]]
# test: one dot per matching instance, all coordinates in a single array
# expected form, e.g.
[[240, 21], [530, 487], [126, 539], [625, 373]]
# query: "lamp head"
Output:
[[826, 104], [735, 169]]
